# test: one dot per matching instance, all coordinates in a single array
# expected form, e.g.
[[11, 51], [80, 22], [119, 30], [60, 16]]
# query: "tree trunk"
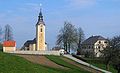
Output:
[[107, 66], [79, 44], [65, 45], [118, 70], [69, 48]]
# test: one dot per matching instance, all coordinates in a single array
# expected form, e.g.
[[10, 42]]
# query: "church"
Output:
[[38, 43]]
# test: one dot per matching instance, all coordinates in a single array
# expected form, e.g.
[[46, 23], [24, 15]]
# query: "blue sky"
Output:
[[95, 17]]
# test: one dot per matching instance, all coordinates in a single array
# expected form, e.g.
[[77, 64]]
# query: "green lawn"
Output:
[[100, 65], [13, 64], [73, 69]]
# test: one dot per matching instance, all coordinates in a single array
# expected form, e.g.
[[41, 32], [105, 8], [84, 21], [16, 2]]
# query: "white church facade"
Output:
[[38, 43]]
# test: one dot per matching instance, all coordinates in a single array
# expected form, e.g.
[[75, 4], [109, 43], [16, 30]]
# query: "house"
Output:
[[29, 45], [94, 45], [9, 46], [56, 48], [61, 50]]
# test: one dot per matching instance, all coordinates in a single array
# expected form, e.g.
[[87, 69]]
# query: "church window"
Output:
[[41, 29]]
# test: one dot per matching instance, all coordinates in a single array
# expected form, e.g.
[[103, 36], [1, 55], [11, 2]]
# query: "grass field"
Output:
[[101, 65], [13, 64], [73, 69]]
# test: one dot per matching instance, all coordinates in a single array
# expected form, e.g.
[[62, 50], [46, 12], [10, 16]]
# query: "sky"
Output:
[[95, 17]]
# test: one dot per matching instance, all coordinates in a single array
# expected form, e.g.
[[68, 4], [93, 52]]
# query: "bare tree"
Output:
[[81, 37], [8, 33], [67, 36], [1, 37]]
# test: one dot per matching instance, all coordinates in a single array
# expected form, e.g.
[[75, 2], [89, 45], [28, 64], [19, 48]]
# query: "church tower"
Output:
[[40, 33]]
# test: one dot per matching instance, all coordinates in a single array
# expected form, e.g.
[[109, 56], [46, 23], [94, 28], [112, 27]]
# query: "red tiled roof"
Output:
[[9, 44]]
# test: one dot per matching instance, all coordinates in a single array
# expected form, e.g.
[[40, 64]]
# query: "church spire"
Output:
[[40, 17]]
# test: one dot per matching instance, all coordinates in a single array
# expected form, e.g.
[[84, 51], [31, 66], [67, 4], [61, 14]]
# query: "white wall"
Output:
[[9, 49], [38, 52]]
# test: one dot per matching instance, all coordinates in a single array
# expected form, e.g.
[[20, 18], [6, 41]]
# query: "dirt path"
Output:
[[38, 59], [80, 66]]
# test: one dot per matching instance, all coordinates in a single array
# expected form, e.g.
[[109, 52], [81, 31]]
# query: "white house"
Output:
[[9, 46], [94, 44]]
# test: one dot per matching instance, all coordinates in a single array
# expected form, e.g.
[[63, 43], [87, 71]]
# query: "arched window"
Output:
[[41, 29]]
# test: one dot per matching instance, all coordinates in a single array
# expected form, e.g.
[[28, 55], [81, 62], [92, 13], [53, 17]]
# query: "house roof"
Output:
[[10, 43], [30, 42], [93, 39]]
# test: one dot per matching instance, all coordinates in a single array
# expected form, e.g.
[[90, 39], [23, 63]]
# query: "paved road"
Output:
[[86, 64]]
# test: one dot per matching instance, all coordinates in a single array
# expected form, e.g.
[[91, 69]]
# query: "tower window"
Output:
[[41, 29]]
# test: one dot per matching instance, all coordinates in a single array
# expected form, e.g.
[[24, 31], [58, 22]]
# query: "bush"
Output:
[[95, 60]]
